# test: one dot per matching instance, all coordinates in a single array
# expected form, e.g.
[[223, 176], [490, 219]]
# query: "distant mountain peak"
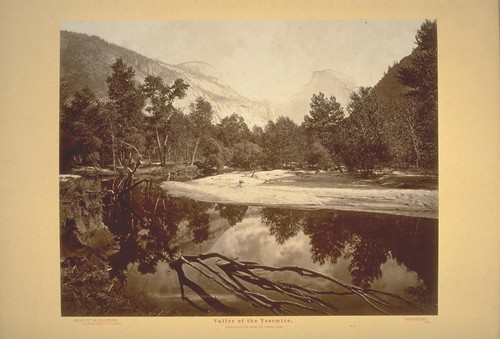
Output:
[[329, 82], [331, 75], [86, 61], [329, 71]]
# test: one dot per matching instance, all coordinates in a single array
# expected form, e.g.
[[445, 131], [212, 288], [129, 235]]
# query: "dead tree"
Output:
[[250, 281]]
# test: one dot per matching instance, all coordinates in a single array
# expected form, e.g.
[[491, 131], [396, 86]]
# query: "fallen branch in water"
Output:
[[244, 279]]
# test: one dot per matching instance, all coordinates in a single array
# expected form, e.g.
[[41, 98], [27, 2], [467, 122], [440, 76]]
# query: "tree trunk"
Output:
[[165, 150], [414, 139], [195, 149], [113, 148], [160, 149]]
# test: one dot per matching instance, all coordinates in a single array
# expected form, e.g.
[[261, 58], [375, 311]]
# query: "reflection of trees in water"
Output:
[[367, 257], [416, 246], [146, 226], [232, 213], [199, 225], [328, 239], [283, 223], [146, 222], [368, 240]]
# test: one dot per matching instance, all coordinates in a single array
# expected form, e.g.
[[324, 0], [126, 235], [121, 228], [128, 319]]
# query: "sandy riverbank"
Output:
[[307, 190]]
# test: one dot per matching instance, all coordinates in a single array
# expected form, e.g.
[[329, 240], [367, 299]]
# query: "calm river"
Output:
[[395, 256]]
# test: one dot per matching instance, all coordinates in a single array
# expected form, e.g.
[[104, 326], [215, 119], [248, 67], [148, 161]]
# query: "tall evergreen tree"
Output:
[[362, 145], [81, 129], [324, 118], [420, 77], [126, 103], [321, 128]]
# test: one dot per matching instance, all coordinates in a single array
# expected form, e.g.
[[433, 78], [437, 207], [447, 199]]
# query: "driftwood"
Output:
[[238, 277]]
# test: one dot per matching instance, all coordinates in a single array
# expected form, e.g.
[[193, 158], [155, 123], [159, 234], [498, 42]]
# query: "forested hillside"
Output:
[[112, 115], [86, 62]]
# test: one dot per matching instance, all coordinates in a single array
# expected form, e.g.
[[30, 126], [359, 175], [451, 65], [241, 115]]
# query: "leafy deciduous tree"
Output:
[[362, 145], [159, 98], [215, 155], [246, 155], [283, 143], [232, 130], [200, 116], [318, 155], [405, 135]]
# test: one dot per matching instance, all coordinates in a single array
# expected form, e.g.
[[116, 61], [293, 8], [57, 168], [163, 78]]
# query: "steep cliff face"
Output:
[[205, 82], [86, 61], [328, 82]]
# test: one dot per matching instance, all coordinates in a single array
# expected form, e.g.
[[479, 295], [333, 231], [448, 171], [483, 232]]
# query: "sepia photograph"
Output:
[[248, 168]]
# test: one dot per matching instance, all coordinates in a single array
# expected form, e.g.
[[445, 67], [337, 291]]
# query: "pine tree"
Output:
[[420, 77]]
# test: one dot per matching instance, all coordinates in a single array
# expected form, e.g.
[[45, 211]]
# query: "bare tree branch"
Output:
[[238, 277], [132, 146]]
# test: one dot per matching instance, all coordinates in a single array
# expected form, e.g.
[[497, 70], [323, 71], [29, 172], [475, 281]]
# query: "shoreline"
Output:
[[287, 189]]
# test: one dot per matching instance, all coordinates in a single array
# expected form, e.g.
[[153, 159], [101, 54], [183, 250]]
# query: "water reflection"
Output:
[[146, 224], [232, 213], [368, 240], [150, 229]]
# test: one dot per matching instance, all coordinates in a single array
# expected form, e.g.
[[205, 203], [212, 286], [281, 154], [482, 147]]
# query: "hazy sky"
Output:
[[267, 59]]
